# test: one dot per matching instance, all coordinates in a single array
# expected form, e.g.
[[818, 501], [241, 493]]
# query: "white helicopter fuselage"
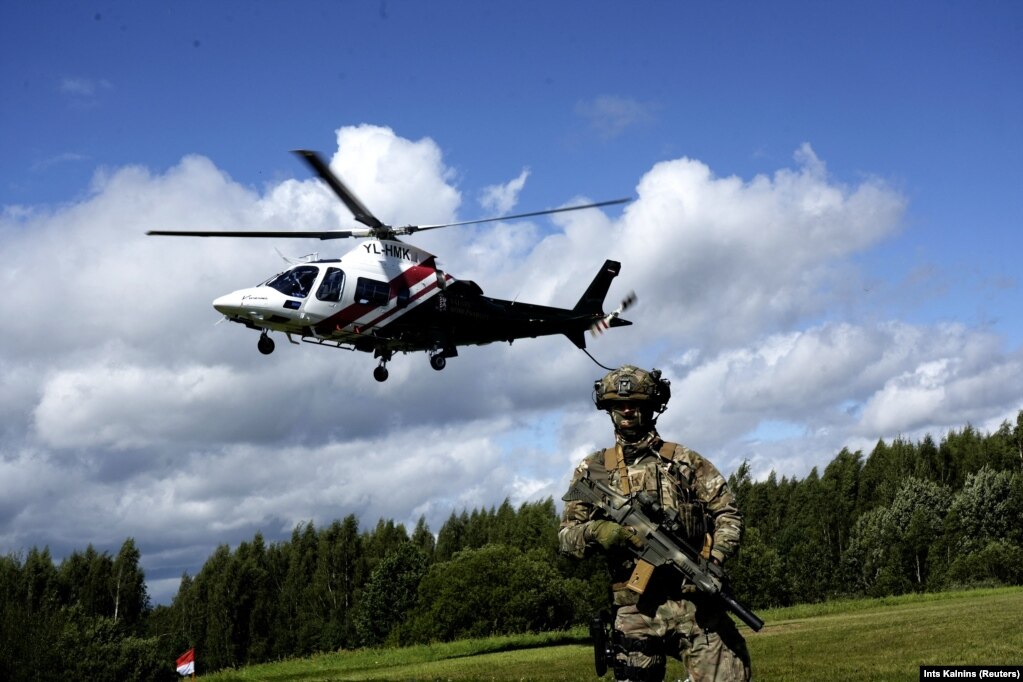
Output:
[[340, 299]]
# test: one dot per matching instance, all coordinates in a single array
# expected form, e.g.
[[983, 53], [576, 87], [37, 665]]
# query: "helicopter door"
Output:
[[331, 286]]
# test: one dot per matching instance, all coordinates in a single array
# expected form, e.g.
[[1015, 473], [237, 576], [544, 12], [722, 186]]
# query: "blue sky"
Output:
[[825, 242]]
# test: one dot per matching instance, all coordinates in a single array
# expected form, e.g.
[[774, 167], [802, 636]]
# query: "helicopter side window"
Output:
[[295, 282], [331, 286], [371, 292]]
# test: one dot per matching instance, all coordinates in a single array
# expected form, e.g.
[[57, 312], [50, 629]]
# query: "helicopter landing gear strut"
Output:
[[265, 344], [380, 373]]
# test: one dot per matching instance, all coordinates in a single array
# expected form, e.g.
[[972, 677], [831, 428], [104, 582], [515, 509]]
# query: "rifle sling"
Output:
[[614, 460]]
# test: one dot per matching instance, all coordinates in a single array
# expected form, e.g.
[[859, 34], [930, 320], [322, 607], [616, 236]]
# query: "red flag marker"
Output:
[[186, 663]]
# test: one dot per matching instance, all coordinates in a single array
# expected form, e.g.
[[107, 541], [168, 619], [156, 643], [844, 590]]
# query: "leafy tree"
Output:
[[217, 588], [984, 529], [339, 574], [128, 586], [301, 634], [998, 562], [1017, 439], [804, 544], [488, 591], [252, 613], [535, 526], [95, 648], [390, 593], [505, 527], [383, 540], [451, 537], [839, 490], [40, 582], [761, 503], [889, 547], [758, 574], [186, 623], [740, 482], [423, 538], [982, 511]]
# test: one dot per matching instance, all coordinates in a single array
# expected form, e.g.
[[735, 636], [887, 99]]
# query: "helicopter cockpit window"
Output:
[[331, 286], [295, 282], [372, 292]]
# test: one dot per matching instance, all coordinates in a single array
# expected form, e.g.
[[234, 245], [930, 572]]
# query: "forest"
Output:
[[906, 517]]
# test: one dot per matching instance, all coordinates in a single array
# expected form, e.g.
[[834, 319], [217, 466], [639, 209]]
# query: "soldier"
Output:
[[670, 618]]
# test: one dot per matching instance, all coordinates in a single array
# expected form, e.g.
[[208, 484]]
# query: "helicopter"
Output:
[[387, 296]]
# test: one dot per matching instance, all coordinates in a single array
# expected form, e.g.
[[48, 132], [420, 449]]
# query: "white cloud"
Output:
[[721, 259], [127, 412], [842, 385], [501, 199], [402, 182]]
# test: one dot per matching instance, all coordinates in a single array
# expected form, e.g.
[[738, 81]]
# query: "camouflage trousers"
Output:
[[698, 632]]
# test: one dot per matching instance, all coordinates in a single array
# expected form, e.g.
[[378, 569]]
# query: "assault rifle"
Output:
[[662, 532]]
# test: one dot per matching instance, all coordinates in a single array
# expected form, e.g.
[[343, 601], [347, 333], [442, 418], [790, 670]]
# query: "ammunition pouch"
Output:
[[694, 523], [648, 646]]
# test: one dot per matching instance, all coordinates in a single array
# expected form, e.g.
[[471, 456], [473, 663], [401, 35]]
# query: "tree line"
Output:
[[908, 516]]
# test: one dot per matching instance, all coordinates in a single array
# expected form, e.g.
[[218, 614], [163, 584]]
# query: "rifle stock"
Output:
[[661, 547]]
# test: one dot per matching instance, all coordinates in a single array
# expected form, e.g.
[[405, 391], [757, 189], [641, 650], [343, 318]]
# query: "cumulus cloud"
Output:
[[727, 259], [127, 411], [838, 385]]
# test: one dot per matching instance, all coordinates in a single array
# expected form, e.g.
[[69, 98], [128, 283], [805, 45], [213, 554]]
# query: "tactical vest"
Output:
[[670, 480]]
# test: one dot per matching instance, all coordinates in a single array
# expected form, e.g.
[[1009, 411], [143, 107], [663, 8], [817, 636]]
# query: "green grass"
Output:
[[870, 639]]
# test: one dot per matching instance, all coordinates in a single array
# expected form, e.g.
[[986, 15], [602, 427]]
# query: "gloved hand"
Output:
[[610, 534]]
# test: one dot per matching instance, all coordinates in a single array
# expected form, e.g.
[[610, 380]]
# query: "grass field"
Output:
[[877, 640]]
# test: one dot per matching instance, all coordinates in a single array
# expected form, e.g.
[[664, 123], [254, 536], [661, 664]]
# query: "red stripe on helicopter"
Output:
[[392, 311], [407, 279]]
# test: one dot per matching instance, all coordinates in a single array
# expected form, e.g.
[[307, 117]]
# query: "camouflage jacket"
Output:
[[679, 477]]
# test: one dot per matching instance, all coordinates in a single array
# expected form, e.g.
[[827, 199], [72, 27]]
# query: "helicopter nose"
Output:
[[229, 304]]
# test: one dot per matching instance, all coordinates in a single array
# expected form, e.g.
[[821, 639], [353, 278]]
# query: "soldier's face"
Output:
[[629, 416]]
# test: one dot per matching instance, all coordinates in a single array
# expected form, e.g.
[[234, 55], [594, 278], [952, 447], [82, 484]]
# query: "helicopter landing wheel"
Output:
[[266, 344], [438, 362], [380, 373]]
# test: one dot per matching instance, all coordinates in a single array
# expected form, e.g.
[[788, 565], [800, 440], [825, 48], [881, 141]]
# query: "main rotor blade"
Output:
[[358, 210], [420, 228], [329, 234]]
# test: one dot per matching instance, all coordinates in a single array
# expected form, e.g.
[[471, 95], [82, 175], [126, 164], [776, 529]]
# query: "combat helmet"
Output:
[[632, 383]]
